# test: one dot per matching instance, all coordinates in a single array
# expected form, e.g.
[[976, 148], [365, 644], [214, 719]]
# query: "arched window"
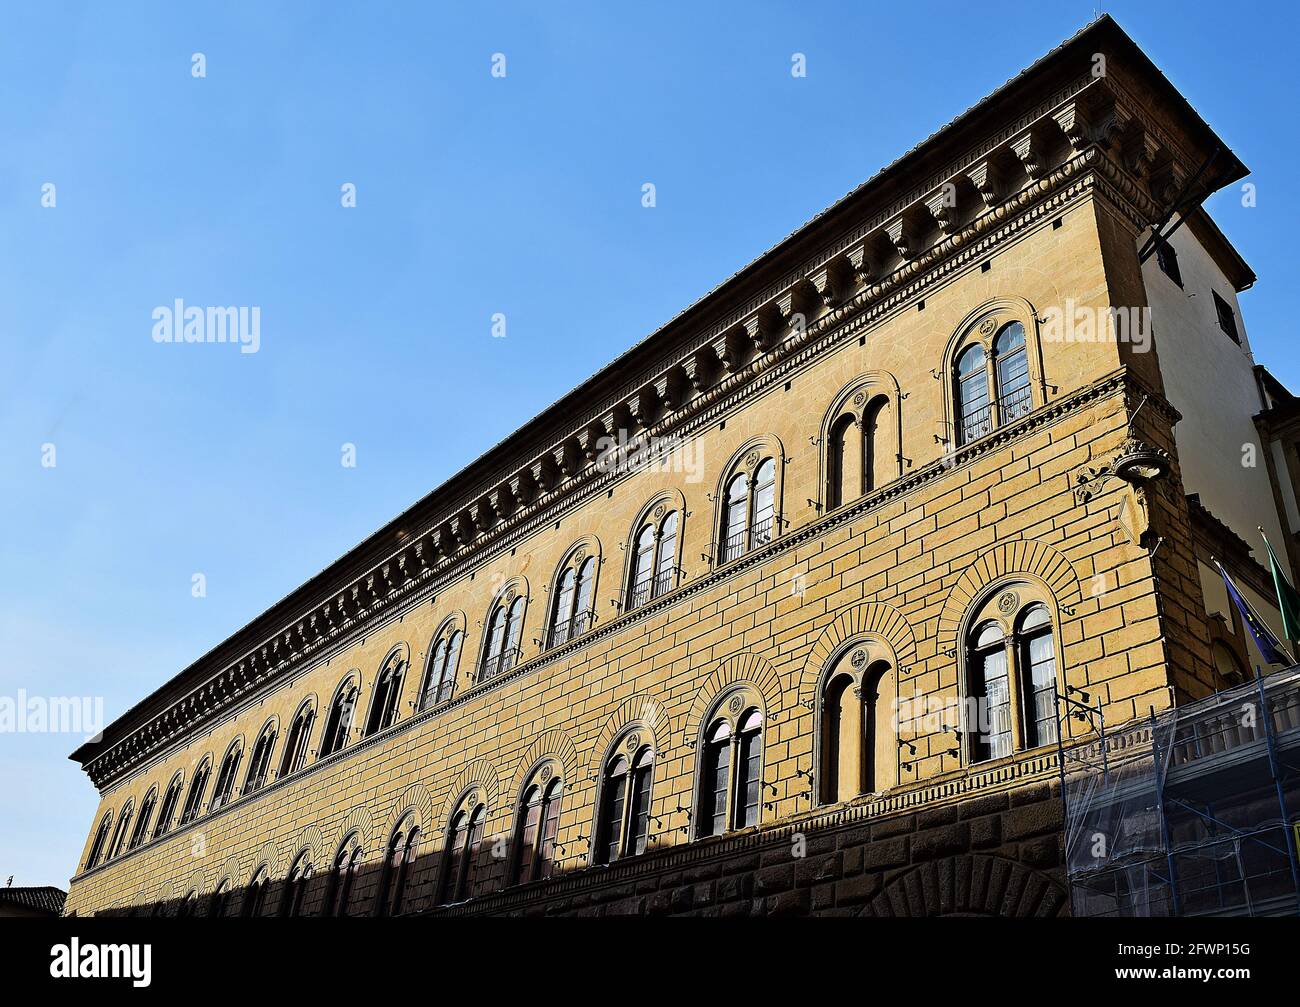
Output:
[[224, 792], [460, 857], [731, 772], [855, 463], [1010, 653], [347, 864], [338, 725], [141, 832], [572, 614], [260, 763], [398, 864], [537, 823], [388, 692], [295, 885], [189, 904], [749, 510], [504, 626], [654, 563], [624, 819], [440, 677], [991, 385], [295, 747], [101, 840], [198, 784], [857, 749], [167, 813], [120, 834], [255, 896], [220, 899]]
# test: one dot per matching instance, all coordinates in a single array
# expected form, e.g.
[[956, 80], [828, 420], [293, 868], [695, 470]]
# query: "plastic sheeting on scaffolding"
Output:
[[1193, 811]]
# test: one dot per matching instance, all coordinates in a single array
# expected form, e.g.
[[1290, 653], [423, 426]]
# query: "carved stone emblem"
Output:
[[660, 511], [735, 705], [633, 740], [1008, 602], [545, 774], [988, 325], [751, 459], [579, 557], [859, 398], [859, 658]]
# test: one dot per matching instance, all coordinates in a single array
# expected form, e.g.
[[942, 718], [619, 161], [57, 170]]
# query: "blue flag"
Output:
[[1267, 643]]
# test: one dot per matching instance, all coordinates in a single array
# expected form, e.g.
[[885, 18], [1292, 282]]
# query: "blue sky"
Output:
[[475, 195]]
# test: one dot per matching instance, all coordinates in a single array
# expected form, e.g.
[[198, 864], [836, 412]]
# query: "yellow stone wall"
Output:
[[900, 563]]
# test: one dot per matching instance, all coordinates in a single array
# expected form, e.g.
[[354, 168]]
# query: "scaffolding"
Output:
[[1192, 812]]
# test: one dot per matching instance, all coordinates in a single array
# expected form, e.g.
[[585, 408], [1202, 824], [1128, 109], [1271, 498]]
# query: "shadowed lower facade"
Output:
[[770, 616]]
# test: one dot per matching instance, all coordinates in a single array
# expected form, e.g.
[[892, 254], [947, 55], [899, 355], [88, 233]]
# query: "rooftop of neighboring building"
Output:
[[45, 900]]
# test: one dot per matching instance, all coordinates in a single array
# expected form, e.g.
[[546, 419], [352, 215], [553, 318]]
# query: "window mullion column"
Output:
[[991, 375]]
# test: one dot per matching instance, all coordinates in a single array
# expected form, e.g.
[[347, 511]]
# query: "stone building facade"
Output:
[[766, 617]]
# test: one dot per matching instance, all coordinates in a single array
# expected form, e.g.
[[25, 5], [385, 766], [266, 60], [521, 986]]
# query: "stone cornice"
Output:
[[904, 246]]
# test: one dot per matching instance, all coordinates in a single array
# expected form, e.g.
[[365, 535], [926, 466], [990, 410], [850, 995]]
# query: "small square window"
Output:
[[1227, 320], [1168, 259]]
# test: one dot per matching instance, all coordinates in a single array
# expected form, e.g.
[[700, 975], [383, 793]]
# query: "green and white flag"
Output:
[[1288, 599]]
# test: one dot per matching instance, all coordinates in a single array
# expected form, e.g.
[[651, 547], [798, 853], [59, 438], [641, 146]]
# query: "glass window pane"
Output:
[[666, 562], [764, 504], [734, 531], [583, 606], [447, 682], [611, 825], [550, 828], [714, 785], [1040, 716], [993, 738], [1014, 398], [1009, 338], [560, 619], [1034, 617], [971, 361], [988, 634], [530, 811], [639, 816], [749, 778]]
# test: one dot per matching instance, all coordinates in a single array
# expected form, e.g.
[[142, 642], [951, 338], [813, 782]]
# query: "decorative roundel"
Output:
[[988, 325], [735, 705], [579, 557], [633, 740], [660, 511], [859, 398], [545, 774], [859, 658], [471, 798], [1008, 602], [510, 596], [751, 459]]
